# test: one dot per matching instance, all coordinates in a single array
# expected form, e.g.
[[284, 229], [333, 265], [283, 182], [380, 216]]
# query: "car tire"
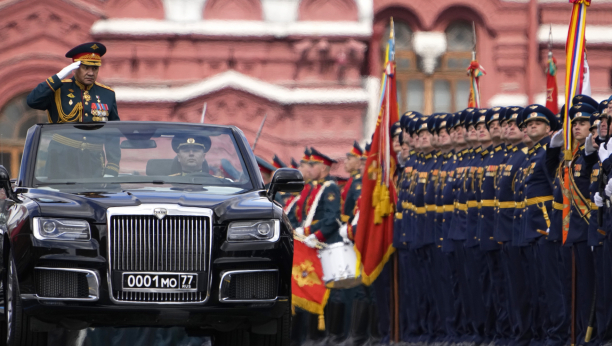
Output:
[[16, 329], [282, 336]]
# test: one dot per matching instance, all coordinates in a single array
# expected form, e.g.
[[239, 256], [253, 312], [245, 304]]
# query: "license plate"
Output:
[[160, 282]]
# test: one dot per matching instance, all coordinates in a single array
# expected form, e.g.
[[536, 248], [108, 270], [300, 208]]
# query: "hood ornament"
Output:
[[160, 213]]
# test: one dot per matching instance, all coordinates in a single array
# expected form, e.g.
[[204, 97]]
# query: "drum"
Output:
[[339, 263]]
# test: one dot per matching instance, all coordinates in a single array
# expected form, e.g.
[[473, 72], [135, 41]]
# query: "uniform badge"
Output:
[[71, 95], [331, 197], [70, 102], [71, 90], [358, 187]]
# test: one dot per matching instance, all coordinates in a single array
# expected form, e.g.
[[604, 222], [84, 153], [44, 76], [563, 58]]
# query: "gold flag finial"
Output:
[[392, 31]]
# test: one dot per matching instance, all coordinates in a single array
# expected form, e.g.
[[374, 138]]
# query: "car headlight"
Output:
[[266, 230], [61, 229]]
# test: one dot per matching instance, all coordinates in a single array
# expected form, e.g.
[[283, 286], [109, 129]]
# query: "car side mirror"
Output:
[[286, 180], [5, 183]]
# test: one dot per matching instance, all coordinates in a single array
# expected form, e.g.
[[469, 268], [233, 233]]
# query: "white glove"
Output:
[[598, 200], [588, 145], [609, 188], [311, 241], [604, 153], [108, 176], [548, 231], [344, 232], [65, 72], [299, 230], [557, 139]]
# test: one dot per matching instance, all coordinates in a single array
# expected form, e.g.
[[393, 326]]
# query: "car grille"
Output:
[[61, 284], [145, 243]]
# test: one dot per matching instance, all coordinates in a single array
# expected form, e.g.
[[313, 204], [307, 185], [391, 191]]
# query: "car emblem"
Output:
[[160, 213]]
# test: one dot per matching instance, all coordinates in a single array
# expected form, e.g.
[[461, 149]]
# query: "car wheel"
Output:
[[282, 336], [16, 326]]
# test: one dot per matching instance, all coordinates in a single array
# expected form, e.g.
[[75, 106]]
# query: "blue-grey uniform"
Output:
[[69, 101]]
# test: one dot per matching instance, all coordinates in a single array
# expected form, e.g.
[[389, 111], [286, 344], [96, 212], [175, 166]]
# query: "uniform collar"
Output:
[[498, 148], [354, 173], [82, 86]]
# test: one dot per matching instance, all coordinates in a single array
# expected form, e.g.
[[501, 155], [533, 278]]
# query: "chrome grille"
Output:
[[146, 243]]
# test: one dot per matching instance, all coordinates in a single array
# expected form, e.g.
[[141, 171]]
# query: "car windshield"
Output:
[[140, 156]]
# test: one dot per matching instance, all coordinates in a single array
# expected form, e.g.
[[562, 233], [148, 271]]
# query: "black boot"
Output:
[[336, 323], [359, 324], [315, 336], [374, 339]]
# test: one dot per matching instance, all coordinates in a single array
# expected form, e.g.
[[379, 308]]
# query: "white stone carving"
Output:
[[280, 11], [184, 10], [429, 46]]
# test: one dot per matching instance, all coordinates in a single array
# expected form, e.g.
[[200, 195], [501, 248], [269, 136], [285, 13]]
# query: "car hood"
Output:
[[93, 206]]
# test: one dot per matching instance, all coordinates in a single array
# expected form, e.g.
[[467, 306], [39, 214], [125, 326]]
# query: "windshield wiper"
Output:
[[64, 183]]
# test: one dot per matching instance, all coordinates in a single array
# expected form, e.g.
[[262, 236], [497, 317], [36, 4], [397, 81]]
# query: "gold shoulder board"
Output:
[[104, 86]]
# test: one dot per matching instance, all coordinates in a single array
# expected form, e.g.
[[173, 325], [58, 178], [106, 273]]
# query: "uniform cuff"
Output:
[[54, 82], [320, 236], [112, 169]]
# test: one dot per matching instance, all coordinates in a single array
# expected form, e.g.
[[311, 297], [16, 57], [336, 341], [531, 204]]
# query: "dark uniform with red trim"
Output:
[[68, 101]]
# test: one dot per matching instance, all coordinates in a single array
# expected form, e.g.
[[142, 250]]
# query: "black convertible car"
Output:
[[181, 233]]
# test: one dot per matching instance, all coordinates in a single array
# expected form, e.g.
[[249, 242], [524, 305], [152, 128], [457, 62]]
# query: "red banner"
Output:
[[552, 91], [308, 290]]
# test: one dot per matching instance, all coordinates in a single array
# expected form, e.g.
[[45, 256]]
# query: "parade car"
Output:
[[184, 233]]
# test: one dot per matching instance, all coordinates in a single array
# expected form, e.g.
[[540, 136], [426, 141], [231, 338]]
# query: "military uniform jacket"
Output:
[[504, 193], [597, 234], [444, 202], [350, 194], [457, 230], [402, 231], [448, 198], [68, 100], [473, 198], [538, 193], [579, 171], [429, 233], [488, 180], [556, 220], [422, 178], [519, 222], [327, 213]]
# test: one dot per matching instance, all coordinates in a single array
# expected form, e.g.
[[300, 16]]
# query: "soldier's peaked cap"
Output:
[[585, 99], [355, 150], [89, 53], [495, 114], [306, 157], [294, 163], [512, 114], [317, 156], [277, 162], [539, 112], [396, 129], [581, 111], [264, 165], [181, 141]]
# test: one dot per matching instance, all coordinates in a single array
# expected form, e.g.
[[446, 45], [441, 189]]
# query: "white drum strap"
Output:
[[355, 219], [290, 205], [315, 203]]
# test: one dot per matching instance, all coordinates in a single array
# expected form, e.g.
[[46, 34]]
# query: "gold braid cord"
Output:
[[75, 115]]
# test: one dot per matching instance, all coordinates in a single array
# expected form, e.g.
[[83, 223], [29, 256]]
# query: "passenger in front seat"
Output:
[[191, 154]]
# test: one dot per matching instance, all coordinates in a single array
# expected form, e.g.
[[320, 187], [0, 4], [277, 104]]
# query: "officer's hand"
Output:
[[311, 241], [65, 72], [557, 139], [598, 200], [609, 188], [605, 150], [588, 145], [299, 230]]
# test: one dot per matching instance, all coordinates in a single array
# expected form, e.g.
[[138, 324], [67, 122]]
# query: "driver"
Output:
[[191, 154]]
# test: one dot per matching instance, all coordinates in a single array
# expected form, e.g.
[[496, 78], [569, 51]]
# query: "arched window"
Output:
[[16, 117], [447, 88]]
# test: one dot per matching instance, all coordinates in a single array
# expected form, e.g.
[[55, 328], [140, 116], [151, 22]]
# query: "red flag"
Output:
[[308, 290], [374, 238], [552, 90]]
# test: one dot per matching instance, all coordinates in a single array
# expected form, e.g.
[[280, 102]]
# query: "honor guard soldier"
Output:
[[496, 289], [579, 175], [294, 164], [79, 99], [352, 189], [280, 197], [538, 191], [295, 208], [266, 169]]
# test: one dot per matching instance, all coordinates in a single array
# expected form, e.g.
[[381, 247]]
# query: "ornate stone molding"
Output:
[[429, 46]]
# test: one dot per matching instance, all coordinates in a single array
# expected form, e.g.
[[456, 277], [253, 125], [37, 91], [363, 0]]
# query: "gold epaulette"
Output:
[[104, 86], [525, 150]]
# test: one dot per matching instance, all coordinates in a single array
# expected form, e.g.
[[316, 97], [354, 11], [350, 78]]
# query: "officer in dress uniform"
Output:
[[579, 175], [503, 230], [266, 169], [190, 155], [79, 99], [496, 302], [352, 189], [295, 207]]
